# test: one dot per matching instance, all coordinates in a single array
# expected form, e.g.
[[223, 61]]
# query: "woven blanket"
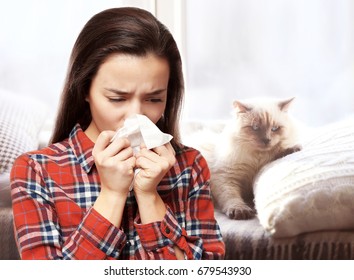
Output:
[[247, 240]]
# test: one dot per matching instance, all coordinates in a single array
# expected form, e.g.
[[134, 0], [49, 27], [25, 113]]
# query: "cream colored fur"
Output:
[[235, 156]]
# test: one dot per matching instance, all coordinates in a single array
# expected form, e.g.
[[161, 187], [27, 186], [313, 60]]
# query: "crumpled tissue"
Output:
[[139, 129]]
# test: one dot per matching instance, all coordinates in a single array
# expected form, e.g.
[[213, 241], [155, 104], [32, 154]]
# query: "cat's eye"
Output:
[[255, 127], [275, 128]]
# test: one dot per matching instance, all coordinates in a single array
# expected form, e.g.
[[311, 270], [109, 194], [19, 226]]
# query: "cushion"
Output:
[[310, 190], [5, 193], [21, 118]]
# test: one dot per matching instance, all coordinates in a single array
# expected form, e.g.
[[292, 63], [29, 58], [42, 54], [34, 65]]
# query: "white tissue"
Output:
[[139, 129]]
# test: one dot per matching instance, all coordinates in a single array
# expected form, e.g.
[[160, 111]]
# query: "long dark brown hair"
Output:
[[130, 31]]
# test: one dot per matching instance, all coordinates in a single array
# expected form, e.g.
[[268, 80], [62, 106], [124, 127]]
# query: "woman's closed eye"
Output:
[[154, 100], [116, 99]]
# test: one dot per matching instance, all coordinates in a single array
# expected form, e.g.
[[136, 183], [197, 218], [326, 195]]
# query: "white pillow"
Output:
[[310, 190], [21, 118]]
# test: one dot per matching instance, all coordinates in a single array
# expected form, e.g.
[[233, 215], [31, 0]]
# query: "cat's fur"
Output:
[[261, 132]]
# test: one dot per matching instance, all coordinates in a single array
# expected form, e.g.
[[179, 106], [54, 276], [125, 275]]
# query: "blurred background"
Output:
[[232, 49]]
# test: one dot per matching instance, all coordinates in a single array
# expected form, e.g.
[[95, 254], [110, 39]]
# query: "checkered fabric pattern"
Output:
[[20, 121], [54, 189]]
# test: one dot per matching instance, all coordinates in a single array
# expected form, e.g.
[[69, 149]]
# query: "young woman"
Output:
[[71, 200]]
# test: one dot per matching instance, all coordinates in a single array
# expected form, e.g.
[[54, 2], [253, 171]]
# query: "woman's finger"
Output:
[[106, 148], [165, 150], [103, 140]]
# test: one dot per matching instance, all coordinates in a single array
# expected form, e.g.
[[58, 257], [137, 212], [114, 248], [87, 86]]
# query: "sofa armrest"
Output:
[[8, 248]]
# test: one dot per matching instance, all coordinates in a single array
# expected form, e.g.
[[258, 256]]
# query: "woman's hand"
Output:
[[115, 163], [153, 165]]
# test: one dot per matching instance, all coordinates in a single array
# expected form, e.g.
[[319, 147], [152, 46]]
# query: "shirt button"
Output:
[[168, 231]]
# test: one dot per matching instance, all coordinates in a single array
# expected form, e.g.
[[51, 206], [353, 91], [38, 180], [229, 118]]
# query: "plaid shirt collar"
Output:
[[82, 147]]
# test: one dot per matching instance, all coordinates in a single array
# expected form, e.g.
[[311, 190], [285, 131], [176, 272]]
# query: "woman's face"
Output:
[[126, 85]]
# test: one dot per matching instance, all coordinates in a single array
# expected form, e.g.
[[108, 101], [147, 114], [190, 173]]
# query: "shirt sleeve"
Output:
[[37, 229], [202, 239], [203, 233]]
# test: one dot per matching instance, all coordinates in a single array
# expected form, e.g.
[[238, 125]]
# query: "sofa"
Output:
[[24, 126], [8, 249], [304, 201]]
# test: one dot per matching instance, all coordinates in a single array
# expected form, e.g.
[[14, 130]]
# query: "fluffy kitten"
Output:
[[261, 132]]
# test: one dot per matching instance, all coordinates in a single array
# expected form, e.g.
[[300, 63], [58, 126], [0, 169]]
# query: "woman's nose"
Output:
[[136, 108]]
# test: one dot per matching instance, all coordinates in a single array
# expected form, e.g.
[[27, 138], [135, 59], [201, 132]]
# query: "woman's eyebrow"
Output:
[[122, 92], [156, 92], [118, 92]]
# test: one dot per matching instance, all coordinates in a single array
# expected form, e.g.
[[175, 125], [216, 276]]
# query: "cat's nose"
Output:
[[266, 141]]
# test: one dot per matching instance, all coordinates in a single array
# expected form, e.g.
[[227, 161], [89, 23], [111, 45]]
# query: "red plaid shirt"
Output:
[[53, 191]]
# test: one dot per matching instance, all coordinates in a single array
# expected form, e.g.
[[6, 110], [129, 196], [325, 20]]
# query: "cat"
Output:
[[261, 132]]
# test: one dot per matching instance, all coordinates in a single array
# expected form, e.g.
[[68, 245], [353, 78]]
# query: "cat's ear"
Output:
[[241, 107], [284, 105]]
